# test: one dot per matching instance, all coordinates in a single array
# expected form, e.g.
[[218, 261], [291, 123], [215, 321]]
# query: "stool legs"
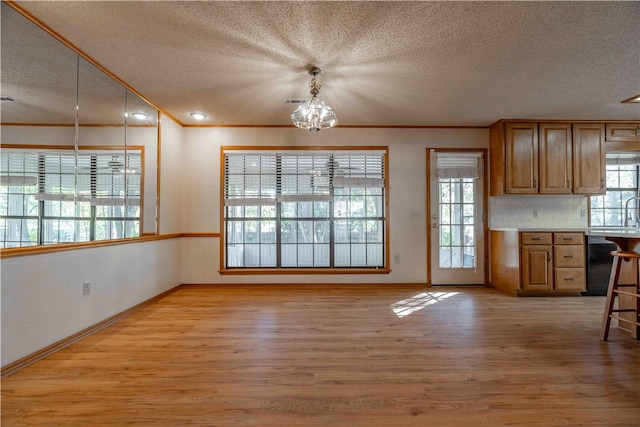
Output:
[[611, 294], [613, 291]]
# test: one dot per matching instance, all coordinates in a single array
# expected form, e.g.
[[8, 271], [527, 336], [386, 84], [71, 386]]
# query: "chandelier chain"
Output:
[[315, 86]]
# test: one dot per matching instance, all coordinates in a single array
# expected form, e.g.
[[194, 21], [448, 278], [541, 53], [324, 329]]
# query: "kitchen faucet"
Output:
[[636, 218]]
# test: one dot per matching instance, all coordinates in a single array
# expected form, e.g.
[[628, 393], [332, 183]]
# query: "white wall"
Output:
[[42, 300], [407, 181], [171, 167]]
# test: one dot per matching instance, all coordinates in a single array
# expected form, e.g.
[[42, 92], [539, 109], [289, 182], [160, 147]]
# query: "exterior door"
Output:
[[456, 217]]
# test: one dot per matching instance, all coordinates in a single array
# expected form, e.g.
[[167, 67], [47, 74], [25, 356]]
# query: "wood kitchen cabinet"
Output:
[[547, 158], [622, 132], [521, 158], [569, 262], [556, 158], [588, 158], [545, 262], [535, 258], [622, 136]]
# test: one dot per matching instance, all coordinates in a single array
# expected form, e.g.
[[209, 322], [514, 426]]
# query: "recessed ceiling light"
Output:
[[198, 116], [634, 99], [139, 116]]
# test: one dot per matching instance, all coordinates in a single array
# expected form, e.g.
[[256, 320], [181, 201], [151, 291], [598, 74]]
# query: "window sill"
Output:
[[283, 271]]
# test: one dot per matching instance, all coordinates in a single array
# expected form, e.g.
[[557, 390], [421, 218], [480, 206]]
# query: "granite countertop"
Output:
[[614, 232], [590, 231]]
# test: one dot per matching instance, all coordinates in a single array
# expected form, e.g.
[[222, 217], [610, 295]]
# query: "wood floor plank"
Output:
[[348, 355]]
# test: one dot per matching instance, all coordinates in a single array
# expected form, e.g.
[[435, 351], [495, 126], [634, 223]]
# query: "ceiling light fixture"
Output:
[[198, 116], [314, 114], [139, 115], [632, 100]]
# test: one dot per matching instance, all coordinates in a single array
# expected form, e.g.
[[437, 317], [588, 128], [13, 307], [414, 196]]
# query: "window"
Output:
[[304, 208], [623, 175], [53, 196]]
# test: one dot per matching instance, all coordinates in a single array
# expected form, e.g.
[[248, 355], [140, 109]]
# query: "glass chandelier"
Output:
[[314, 114]]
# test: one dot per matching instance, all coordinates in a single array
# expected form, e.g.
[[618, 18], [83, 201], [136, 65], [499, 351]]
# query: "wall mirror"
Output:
[[79, 150]]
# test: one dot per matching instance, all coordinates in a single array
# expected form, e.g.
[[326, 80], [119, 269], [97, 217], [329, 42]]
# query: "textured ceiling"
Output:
[[383, 63]]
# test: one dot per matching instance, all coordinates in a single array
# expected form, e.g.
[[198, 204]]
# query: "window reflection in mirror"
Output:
[[70, 175]]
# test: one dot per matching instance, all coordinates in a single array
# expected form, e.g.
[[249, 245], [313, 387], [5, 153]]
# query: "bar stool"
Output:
[[614, 291]]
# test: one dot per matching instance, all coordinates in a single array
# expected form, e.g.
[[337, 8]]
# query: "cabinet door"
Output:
[[588, 158], [623, 132], [555, 158], [521, 158], [537, 274]]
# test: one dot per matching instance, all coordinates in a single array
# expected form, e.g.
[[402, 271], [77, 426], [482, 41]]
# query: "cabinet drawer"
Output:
[[568, 239], [530, 238], [568, 256], [569, 279]]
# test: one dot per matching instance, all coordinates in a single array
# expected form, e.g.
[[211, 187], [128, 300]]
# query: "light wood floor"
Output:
[[289, 356]]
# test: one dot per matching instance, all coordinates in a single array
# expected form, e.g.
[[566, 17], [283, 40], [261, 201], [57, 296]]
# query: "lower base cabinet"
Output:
[[546, 262]]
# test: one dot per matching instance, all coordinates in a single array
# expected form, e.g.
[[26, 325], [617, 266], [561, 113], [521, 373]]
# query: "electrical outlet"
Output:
[[86, 288], [535, 213], [396, 258], [583, 213]]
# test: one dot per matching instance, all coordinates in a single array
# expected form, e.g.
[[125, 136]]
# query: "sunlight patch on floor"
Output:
[[418, 302]]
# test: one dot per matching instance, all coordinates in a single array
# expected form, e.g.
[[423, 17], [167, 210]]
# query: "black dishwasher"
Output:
[[599, 261]]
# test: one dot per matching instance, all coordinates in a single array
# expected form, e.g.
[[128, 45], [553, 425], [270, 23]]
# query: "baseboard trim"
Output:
[[23, 362]]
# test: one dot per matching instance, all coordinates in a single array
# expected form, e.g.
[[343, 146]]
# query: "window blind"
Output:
[[458, 165], [18, 168], [623, 159], [100, 177], [265, 178]]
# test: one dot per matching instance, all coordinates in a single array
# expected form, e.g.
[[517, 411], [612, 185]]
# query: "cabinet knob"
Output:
[[569, 279], [536, 238], [568, 256]]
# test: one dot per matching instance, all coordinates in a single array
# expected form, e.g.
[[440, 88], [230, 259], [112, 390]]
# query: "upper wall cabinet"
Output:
[[547, 158], [622, 132], [589, 157], [622, 136], [556, 153], [521, 158]]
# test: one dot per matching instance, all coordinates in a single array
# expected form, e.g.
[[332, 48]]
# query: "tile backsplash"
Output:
[[538, 211]]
